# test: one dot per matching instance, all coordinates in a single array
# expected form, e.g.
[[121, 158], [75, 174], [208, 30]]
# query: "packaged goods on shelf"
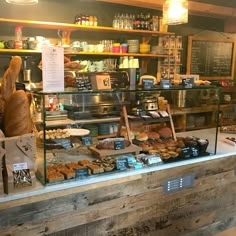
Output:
[[19, 161]]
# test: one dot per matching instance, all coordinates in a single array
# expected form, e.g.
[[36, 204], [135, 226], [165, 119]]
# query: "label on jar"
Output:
[[18, 44]]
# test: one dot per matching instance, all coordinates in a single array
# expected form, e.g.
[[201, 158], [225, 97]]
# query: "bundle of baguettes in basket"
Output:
[[14, 104]]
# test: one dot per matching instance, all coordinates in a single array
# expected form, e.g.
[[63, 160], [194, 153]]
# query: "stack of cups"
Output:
[[133, 45], [116, 47], [124, 62], [133, 62], [124, 48]]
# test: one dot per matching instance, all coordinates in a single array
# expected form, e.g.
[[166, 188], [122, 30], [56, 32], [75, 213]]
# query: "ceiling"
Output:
[[226, 3], [211, 8]]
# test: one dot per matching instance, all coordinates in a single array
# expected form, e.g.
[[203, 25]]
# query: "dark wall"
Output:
[[65, 11]]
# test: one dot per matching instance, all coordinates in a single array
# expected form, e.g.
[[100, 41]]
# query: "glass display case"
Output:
[[92, 133]]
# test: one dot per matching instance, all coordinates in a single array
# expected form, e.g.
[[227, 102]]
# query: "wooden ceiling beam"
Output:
[[195, 8]]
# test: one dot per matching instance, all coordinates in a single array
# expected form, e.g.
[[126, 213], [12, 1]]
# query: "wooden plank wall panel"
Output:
[[138, 207]]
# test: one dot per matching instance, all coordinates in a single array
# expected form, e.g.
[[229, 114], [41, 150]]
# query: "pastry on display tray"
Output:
[[230, 140], [228, 129]]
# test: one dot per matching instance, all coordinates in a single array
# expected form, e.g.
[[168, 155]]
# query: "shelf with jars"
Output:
[[65, 30], [169, 66]]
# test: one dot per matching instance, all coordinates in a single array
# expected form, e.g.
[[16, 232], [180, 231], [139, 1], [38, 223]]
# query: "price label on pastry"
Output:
[[147, 83], [87, 140], [188, 82], [118, 145], [165, 83], [20, 166], [121, 164], [80, 173]]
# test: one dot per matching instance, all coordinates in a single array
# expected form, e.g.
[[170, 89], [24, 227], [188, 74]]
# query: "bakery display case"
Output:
[[91, 133]]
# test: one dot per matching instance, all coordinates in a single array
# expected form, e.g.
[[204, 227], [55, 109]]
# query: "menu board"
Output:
[[210, 59]]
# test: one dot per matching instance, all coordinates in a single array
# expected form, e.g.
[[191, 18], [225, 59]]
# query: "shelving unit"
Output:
[[144, 34]]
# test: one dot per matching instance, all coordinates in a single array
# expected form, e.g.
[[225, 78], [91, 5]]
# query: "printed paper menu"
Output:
[[53, 68]]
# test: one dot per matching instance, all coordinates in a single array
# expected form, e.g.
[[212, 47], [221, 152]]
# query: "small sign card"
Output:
[[119, 144], [53, 68], [121, 164], [87, 140], [20, 166], [147, 83], [188, 82], [165, 83], [81, 173]]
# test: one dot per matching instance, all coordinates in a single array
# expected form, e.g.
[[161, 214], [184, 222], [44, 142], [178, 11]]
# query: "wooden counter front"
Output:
[[135, 205]]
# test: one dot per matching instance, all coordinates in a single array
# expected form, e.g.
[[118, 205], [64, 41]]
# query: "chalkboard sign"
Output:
[[210, 59]]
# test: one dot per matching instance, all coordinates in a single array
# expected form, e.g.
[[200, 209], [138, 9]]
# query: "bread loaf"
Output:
[[2, 105], [17, 119], [2, 110], [9, 79]]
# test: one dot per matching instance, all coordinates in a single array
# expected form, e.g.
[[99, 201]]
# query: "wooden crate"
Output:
[[18, 163]]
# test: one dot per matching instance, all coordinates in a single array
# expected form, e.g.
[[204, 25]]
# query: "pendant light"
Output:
[[175, 12], [22, 2]]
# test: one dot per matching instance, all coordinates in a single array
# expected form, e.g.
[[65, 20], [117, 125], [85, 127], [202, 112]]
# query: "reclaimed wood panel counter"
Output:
[[132, 205]]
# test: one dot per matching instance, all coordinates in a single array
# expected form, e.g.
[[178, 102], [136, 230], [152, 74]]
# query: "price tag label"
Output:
[[186, 152], [188, 82], [147, 83], [20, 166], [121, 164], [118, 145], [165, 83], [195, 152], [80, 173], [87, 140]]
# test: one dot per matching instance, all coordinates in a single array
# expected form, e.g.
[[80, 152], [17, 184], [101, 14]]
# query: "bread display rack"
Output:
[[132, 148]]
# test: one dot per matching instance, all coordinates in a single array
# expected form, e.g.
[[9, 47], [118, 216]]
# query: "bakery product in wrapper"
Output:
[[17, 119]]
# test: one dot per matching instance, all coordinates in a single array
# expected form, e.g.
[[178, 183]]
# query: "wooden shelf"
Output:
[[19, 51], [110, 54], [53, 123], [118, 54], [202, 109], [74, 27]]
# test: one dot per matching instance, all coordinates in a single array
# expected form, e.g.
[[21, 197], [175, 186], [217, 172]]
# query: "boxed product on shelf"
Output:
[[101, 81], [18, 164]]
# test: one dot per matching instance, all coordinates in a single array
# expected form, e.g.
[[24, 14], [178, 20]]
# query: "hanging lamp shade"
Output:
[[175, 12], [22, 2]]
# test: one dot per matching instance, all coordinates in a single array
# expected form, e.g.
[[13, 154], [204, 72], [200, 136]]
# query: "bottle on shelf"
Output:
[[18, 37]]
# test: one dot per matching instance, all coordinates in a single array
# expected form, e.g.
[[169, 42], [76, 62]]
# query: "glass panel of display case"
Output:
[[92, 133]]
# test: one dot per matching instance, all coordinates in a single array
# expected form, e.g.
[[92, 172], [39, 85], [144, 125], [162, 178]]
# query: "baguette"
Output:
[[17, 119], [8, 86]]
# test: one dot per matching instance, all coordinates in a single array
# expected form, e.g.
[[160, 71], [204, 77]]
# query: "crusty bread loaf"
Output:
[[109, 143], [9, 79], [2, 110], [2, 105], [17, 119]]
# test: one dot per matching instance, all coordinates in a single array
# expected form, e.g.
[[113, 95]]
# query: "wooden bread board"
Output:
[[102, 153]]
